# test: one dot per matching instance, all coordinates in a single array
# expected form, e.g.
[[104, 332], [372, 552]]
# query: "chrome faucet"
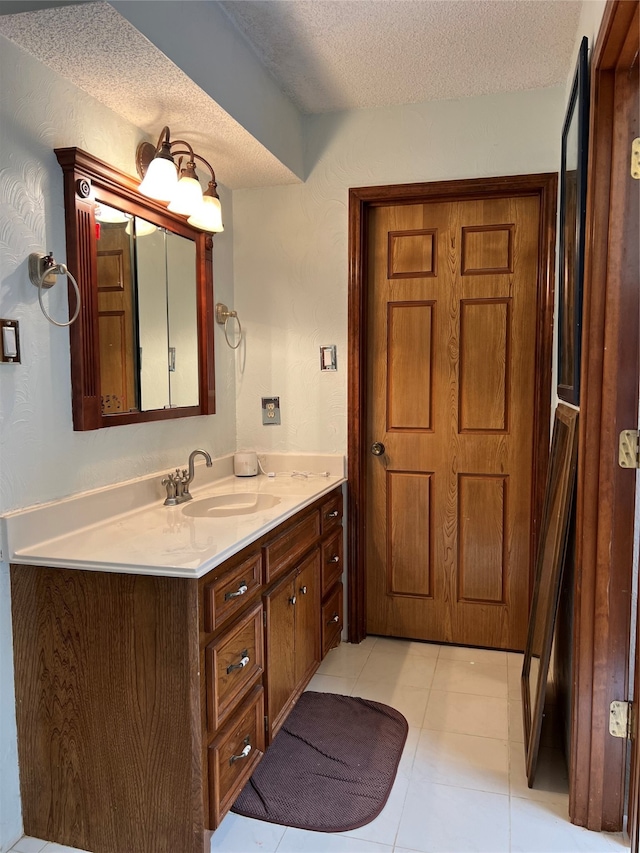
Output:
[[177, 485]]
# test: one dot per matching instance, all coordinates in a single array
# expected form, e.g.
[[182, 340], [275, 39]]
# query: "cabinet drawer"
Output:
[[228, 590], [331, 512], [332, 620], [284, 551], [234, 754], [233, 663], [332, 561]]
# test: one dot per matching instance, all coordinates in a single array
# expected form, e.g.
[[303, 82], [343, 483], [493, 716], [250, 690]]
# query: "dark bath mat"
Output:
[[331, 766]]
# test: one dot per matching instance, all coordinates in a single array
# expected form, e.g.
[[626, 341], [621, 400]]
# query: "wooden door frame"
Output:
[[361, 201], [606, 493]]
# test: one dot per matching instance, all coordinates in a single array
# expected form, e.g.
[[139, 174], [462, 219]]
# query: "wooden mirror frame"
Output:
[[120, 190], [551, 552]]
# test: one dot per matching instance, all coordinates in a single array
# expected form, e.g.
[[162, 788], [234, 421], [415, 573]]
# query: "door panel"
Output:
[[280, 649], [485, 326], [410, 359], [115, 319], [451, 381], [410, 533]]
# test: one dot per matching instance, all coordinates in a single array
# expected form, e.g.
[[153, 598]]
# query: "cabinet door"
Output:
[[280, 608], [307, 623]]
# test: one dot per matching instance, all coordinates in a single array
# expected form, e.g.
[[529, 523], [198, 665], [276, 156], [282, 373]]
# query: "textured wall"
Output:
[[42, 457], [290, 245]]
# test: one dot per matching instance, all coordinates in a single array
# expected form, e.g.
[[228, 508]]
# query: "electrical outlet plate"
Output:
[[270, 411]]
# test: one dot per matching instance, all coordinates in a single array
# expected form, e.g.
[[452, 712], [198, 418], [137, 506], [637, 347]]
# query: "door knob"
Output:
[[377, 448]]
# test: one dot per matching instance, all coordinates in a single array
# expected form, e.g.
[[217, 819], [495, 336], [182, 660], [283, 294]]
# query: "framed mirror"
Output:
[[142, 347], [551, 550], [573, 211]]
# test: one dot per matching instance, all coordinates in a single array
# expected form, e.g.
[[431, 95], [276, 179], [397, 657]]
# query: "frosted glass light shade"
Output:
[[187, 197], [209, 215], [160, 180]]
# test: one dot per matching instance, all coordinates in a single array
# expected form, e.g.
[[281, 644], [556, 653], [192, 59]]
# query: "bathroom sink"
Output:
[[222, 506]]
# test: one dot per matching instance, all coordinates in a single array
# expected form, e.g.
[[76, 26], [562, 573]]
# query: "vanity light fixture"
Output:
[[158, 169]]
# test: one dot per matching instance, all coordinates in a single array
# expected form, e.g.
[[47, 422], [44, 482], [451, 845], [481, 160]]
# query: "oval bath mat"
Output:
[[331, 766]]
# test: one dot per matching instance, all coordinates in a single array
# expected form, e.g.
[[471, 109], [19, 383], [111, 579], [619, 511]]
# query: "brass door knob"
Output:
[[377, 448]]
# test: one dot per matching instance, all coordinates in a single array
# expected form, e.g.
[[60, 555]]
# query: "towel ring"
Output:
[[42, 269], [223, 315]]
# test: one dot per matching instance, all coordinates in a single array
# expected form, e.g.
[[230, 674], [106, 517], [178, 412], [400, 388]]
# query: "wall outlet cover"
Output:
[[270, 411]]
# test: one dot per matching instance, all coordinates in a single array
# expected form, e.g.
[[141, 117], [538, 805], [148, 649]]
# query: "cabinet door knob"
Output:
[[333, 514], [303, 590], [334, 559], [240, 591], [334, 618], [292, 600], [245, 752], [244, 660]]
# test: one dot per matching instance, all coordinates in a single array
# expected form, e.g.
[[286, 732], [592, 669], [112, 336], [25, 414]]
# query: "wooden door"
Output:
[[116, 320], [307, 641], [279, 605], [451, 387]]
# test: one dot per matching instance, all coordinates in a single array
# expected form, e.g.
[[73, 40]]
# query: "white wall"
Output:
[[42, 457], [290, 246]]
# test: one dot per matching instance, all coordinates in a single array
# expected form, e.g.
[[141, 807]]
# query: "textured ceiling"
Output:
[[325, 54], [345, 54], [127, 73]]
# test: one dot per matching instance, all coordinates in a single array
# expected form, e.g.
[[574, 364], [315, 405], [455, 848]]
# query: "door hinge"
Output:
[[266, 724], [635, 159], [621, 719], [629, 449], [264, 618]]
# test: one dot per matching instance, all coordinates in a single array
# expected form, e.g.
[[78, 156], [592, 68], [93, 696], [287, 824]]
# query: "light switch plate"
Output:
[[270, 411], [9, 341], [328, 357]]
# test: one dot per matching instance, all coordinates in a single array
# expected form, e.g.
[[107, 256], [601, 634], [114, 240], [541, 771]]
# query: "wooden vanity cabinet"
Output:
[[144, 703]]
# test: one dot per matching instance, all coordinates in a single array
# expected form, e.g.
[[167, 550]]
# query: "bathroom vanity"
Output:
[[145, 698]]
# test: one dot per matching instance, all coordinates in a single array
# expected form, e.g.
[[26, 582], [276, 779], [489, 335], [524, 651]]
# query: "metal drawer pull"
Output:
[[303, 590], [240, 591], [244, 660], [334, 618], [333, 514], [292, 600], [245, 752], [334, 559]]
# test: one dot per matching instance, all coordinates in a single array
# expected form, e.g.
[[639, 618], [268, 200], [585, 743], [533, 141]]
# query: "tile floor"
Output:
[[461, 784]]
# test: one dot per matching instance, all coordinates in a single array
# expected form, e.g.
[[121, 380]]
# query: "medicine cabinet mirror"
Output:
[[142, 347]]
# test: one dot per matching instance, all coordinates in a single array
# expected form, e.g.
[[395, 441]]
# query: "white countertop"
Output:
[[88, 532]]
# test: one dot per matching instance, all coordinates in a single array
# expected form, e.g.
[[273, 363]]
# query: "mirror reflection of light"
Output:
[[142, 227], [104, 213]]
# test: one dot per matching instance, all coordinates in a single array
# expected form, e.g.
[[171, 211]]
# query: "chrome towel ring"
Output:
[[223, 315], [42, 271]]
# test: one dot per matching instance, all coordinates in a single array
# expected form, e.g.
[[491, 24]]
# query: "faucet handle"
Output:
[[170, 483], [185, 474]]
